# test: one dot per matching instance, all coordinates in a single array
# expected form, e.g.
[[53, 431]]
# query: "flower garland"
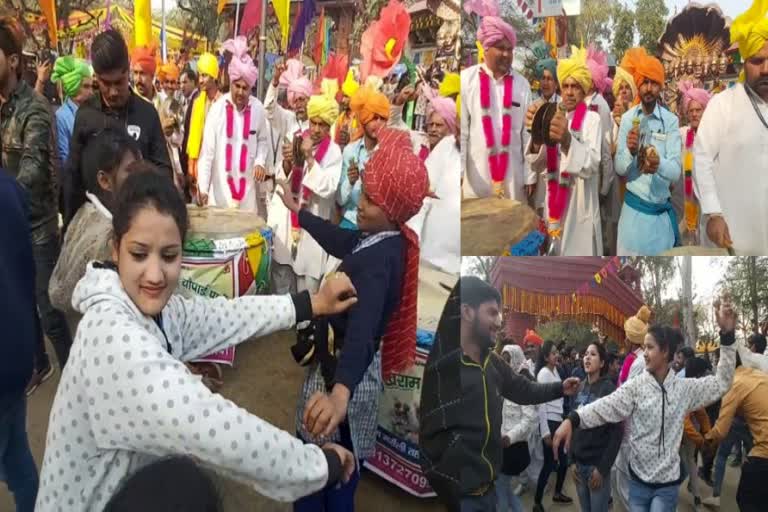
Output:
[[559, 188], [238, 193], [691, 210], [498, 158], [297, 185]]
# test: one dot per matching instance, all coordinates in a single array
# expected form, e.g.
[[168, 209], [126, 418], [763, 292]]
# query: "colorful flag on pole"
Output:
[[283, 12], [251, 17], [302, 22], [142, 13], [220, 6], [317, 51], [48, 8]]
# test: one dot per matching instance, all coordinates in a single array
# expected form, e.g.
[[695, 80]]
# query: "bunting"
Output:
[[612, 267]]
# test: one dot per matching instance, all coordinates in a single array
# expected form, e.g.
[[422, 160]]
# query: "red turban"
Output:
[[396, 180], [144, 58], [532, 337], [641, 66]]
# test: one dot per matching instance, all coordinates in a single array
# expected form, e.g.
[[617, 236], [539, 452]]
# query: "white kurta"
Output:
[[323, 180], [438, 222], [474, 153], [211, 167], [731, 169], [582, 233]]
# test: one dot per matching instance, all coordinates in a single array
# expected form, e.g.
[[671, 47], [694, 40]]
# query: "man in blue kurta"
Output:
[[77, 86], [648, 154]]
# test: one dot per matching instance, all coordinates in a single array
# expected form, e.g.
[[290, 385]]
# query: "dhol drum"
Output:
[[490, 226], [396, 455], [226, 253], [695, 250]]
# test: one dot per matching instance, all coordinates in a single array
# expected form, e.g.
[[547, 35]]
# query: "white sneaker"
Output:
[[712, 501]]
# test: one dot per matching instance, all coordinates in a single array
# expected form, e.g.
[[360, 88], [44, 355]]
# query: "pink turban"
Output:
[[241, 66], [597, 62], [294, 80], [493, 29], [696, 94], [445, 108]]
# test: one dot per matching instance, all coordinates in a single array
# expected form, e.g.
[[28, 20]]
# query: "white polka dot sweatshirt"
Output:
[[655, 413], [123, 400]]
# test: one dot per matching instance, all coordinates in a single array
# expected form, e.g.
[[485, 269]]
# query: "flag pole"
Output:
[[262, 50], [164, 36], [237, 20]]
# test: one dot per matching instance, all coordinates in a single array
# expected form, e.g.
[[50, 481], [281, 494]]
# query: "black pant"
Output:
[[550, 465], [752, 494], [45, 250]]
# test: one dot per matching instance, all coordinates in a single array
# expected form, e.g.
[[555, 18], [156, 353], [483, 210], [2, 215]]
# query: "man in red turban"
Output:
[[143, 67]]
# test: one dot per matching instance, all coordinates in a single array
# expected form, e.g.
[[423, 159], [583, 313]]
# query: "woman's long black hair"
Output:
[[546, 349]]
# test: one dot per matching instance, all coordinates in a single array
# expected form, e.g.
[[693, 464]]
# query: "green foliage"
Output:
[[623, 23], [574, 333], [479, 266], [526, 33], [747, 281], [650, 17], [201, 17], [592, 25], [656, 273]]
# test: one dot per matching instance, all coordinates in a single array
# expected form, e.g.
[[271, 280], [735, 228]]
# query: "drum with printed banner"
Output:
[[396, 455], [227, 253], [491, 226], [695, 250]]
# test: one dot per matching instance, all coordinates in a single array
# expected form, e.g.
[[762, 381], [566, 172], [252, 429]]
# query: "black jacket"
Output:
[[597, 446]]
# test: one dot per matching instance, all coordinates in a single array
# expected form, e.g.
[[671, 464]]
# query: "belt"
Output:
[[482, 491]]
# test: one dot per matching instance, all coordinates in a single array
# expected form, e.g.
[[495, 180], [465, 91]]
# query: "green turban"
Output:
[[541, 51], [70, 72]]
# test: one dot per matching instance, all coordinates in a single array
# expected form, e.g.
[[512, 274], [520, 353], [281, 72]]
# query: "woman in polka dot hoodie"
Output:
[[126, 397], [655, 405]]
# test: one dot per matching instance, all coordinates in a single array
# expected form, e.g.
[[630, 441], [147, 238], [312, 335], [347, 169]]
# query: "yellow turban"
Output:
[[622, 75], [636, 327], [208, 64], [169, 71], [350, 85], [576, 68], [367, 103], [450, 86], [323, 106], [750, 30]]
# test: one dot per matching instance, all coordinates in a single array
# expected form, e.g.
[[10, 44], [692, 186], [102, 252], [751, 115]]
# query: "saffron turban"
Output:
[[445, 108], [169, 71], [750, 30], [643, 66], [350, 85], [597, 62], [624, 76], [367, 103], [324, 106], [70, 72], [636, 327], [544, 61], [294, 80], [576, 68], [532, 337], [396, 180], [696, 94], [493, 29], [450, 86], [145, 59], [209, 65], [241, 66]]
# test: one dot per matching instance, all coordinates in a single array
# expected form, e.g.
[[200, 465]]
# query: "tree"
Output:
[[479, 266], [657, 272], [650, 16], [592, 25], [623, 30], [201, 16], [526, 33], [746, 279], [689, 326]]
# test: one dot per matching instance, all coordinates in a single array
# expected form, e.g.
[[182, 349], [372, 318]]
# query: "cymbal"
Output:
[[541, 122]]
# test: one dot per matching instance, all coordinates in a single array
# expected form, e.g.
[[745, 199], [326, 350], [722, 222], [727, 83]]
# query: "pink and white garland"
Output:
[[237, 192], [559, 187], [498, 157]]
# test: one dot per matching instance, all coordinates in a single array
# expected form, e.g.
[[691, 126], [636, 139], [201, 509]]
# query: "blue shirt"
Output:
[[663, 131], [65, 123], [348, 195]]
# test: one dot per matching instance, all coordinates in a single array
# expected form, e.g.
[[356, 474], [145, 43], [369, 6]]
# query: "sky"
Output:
[[731, 8]]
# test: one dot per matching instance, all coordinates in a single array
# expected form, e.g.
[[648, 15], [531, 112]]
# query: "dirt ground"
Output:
[[266, 381]]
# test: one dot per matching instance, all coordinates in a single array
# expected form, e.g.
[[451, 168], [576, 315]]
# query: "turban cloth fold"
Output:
[[396, 180], [544, 61], [241, 66], [532, 337], [750, 30], [350, 85], [696, 94], [209, 65], [169, 71], [443, 107], [624, 76], [643, 66], [493, 29], [294, 80], [367, 103], [576, 68], [145, 59], [450, 86], [597, 62], [324, 106], [70, 72], [636, 327]]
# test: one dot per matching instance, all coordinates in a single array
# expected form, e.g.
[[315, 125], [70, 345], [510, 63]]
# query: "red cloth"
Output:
[[532, 337], [396, 180], [145, 58]]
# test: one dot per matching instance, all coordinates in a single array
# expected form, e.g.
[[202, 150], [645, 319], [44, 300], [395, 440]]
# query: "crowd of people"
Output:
[[609, 167]]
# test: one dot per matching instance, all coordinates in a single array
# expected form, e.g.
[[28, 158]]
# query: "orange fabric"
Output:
[[169, 71], [532, 337], [145, 58], [366, 103], [355, 129], [693, 434], [641, 66]]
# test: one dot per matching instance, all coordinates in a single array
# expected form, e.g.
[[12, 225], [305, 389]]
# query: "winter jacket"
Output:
[[655, 414], [27, 154], [597, 446], [126, 398], [696, 427]]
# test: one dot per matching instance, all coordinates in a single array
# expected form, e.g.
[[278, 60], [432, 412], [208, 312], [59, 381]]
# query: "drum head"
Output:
[[541, 121], [490, 226]]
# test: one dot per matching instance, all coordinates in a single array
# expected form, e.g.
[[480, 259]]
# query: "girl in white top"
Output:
[[550, 417], [655, 404], [126, 398]]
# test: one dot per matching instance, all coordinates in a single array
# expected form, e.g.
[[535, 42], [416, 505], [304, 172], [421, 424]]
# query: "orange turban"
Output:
[[643, 66], [532, 337], [144, 58], [366, 103], [169, 71]]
